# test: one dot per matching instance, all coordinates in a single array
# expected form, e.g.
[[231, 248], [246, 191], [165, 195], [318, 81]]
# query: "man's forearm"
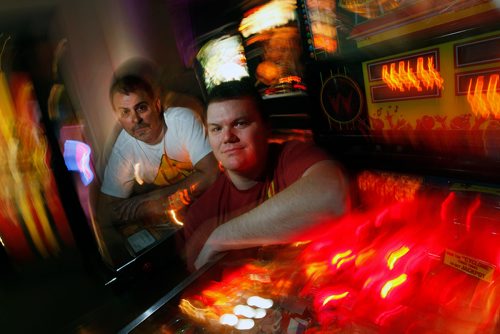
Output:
[[323, 191]]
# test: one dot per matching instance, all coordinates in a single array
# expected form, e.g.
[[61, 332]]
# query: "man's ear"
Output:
[[158, 104]]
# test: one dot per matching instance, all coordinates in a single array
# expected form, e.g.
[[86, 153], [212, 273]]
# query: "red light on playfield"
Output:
[[470, 213]]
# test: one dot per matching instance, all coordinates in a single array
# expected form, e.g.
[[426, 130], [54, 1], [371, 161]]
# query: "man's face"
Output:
[[238, 136], [139, 115]]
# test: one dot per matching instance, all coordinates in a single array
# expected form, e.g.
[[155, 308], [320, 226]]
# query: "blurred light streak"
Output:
[[364, 256], [391, 284], [383, 188], [370, 9], [394, 256], [32, 214], [137, 173], [380, 217], [470, 212], [173, 215], [337, 257], [335, 297], [273, 14], [362, 227], [384, 316], [77, 158], [445, 205], [316, 269], [345, 260]]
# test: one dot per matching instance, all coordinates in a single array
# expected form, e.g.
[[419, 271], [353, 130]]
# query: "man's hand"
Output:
[[207, 253]]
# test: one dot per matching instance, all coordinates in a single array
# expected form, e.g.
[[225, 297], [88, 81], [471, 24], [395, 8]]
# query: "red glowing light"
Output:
[[405, 78], [384, 316], [445, 205], [364, 256], [316, 269], [386, 187], [470, 212], [391, 284]]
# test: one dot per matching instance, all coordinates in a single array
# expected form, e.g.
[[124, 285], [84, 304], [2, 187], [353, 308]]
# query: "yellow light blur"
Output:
[[335, 297], [273, 14], [137, 173], [173, 215], [341, 255], [396, 255], [391, 284]]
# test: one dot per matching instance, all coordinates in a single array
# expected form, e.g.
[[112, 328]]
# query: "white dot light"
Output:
[[228, 319], [260, 302], [245, 324], [244, 310]]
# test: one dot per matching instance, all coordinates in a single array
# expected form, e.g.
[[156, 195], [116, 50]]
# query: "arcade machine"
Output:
[[405, 94]]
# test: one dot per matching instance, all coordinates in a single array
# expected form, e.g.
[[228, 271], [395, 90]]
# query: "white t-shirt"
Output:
[[185, 143]]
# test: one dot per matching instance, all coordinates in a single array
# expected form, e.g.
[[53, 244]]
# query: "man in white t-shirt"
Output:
[[161, 159]]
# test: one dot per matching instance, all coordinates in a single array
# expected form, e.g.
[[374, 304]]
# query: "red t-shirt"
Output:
[[223, 201]]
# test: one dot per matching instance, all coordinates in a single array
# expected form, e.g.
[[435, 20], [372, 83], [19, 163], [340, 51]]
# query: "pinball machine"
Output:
[[405, 94]]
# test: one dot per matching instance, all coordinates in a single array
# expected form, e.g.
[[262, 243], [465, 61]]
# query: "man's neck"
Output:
[[162, 134], [244, 181]]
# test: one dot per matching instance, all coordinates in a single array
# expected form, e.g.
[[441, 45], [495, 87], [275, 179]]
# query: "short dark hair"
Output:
[[237, 89], [130, 83]]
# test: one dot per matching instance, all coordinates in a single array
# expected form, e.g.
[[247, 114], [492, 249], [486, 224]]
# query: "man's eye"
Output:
[[241, 124], [142, 108]]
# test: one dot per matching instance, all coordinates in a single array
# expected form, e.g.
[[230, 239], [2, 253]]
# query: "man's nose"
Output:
[[136, 117], [228, 135]]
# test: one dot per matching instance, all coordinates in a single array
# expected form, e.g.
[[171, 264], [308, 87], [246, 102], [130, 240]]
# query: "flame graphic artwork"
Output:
[[405, 78], [484, 104]]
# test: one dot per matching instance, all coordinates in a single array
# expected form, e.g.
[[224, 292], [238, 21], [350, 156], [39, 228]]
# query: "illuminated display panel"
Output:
[[461, 116], [222, 59]]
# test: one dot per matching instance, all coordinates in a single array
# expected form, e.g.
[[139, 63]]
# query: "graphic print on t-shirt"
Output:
[[172, 171]]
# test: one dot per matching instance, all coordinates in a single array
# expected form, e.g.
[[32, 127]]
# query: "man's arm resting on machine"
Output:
[[321, 191], [154, 203]]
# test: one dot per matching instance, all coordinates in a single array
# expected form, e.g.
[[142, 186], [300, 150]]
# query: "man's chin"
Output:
[[142, 136]]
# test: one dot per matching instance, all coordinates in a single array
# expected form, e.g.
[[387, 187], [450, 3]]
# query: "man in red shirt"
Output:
[[267, 193]]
